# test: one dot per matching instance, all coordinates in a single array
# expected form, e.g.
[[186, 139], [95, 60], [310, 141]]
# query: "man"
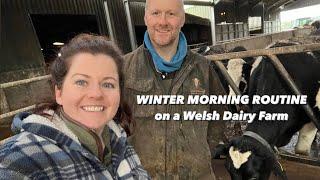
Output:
[[163, 65]]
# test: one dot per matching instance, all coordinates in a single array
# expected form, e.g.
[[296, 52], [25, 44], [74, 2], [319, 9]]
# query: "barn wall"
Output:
[[20, 52], [260, 42]]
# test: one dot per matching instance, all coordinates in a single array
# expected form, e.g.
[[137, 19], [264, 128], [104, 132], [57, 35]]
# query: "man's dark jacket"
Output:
[[173, 149]]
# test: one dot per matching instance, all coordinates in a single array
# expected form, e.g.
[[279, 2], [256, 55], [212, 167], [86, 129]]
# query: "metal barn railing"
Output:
[[271, 53], [20, 82]]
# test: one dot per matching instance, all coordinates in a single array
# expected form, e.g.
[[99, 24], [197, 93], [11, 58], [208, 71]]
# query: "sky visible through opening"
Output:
[[310, 11]]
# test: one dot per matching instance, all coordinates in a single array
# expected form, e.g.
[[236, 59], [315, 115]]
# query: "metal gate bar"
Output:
[[232, 85], [11, 113], [276, 62], [258, 52], [226, 75], [266, 52], [24, 81], [20, 82], [216, 58], [293, 87]]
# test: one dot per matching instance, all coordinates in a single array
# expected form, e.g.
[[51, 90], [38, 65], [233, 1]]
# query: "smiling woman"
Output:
[[86, 128], [90, 90]]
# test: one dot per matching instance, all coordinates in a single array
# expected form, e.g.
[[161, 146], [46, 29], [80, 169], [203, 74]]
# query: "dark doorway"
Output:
[[52, 28]]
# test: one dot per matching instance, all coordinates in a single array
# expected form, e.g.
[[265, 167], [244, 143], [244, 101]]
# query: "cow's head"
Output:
[[239, 70], [246, 159]]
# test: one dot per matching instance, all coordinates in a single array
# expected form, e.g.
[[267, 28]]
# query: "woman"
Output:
[[82, 135]]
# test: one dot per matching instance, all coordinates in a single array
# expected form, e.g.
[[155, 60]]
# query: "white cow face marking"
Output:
[[235, 71], [318, 100], [238, 158], [207, 49]]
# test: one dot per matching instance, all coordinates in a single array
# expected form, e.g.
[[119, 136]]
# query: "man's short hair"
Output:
[[145, 5]]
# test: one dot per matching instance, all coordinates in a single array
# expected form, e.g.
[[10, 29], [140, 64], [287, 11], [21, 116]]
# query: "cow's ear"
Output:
[[279, 171], [220, 151]]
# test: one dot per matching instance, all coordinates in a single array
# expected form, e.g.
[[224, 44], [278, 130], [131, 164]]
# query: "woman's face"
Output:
[[90, 93]]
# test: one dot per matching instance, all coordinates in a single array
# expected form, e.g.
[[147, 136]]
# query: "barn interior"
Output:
[[33, 31]]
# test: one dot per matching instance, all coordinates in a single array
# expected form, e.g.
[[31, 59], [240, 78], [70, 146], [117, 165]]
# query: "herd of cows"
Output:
[[253, 155]]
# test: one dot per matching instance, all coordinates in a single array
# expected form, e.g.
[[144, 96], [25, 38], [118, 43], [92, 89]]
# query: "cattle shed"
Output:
[[30, 27], [27, 26], [28, 30]]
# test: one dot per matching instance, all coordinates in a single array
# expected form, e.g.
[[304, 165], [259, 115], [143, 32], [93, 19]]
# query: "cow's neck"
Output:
[[268, 131], [260, 139]]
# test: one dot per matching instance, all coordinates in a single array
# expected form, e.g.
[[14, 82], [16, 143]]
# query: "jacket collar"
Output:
[[100, 147], [56, 131], [145, 62]]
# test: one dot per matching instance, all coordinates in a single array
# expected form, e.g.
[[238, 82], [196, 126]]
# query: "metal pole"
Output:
[[4, 106], [9, 114], [213, 26], [227, 76], [231, 83], [132, 33], [110, 29], [261, 52], [288, 79], [24, 81]]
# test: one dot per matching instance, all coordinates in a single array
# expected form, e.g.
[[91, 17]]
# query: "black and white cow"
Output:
[[251, 156], [240, 70]]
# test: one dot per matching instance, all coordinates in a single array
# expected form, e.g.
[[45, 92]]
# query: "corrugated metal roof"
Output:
[[200, 11], [301, 4]]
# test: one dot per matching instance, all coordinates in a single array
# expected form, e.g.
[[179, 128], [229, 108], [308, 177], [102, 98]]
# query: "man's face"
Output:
[[164, 19]]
